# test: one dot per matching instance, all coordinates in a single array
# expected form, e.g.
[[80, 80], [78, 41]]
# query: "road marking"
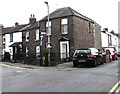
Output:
[[116, 86]]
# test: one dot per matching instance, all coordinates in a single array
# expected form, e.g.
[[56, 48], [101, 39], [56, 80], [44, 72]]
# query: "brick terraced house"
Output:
[[31, 42], [18, 40], [70, 30]]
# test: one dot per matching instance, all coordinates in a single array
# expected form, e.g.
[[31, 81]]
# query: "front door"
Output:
[[64, 49]]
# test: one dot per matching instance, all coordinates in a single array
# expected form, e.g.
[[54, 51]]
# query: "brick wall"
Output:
[[31, 44], [83, 35], [98, 43], [57, 35]]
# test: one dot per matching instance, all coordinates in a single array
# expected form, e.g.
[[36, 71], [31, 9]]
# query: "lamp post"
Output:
[[48, 34]]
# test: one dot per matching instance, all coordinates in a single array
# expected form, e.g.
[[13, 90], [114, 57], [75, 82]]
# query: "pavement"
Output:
[[21, 65]]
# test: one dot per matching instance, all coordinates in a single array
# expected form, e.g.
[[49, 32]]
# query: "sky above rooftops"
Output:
[[104, 12]]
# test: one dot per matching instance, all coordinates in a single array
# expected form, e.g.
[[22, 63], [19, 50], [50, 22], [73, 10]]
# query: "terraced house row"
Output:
[[70, 30]]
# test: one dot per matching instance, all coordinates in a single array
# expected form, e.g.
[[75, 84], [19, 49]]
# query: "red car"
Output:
[[113, 52]]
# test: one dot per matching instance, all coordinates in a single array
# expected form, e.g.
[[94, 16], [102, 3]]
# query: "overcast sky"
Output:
[[104, 12]]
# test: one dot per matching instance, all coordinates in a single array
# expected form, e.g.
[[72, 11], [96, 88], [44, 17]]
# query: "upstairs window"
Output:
[[110, 40], [89, 27], [27, 36], [37, 34], [11, 37], [48, 32], [64, 26], [93, 28]]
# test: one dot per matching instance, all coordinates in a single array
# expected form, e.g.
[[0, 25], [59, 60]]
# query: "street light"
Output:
[[48, 34]]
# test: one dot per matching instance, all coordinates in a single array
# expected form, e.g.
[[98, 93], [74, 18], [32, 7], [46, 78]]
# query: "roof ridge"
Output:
[[81, 15], [71, 10]]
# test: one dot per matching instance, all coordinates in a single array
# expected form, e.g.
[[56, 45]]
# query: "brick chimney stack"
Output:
[[32, 19], [1, 26], [16, 24]]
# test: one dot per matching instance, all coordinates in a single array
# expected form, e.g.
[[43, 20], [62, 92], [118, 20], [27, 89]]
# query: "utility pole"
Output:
[[48, 35]]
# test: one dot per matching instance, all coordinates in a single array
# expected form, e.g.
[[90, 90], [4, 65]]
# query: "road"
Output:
[[83, 79]]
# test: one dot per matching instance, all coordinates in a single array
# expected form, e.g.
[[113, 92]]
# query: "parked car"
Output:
[[112, 51], [87, 56]]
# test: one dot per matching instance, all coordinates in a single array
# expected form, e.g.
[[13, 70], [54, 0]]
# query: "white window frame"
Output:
[[4, 51], [37, 33], [64, 26], [48, 33], [37, 50], [27, 51], [11, 37], [93, 28], [27, 36]]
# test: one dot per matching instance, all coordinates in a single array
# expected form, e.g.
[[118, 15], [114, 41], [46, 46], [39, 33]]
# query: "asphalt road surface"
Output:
[[83, 79]]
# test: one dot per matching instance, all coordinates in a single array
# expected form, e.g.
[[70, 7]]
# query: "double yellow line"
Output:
[[115, 89]]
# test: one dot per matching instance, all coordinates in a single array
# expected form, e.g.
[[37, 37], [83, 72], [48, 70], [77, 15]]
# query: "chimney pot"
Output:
[[1, 26], [16, 24], [33, 16], [32, 19]]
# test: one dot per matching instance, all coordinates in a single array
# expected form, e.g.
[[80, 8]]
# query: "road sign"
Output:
[[41, 37]]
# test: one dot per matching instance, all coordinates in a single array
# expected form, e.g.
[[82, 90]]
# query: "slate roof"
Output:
[[19, 28], [6, 30], [31, 26], [15, 44], [64, 12], [13, 29]]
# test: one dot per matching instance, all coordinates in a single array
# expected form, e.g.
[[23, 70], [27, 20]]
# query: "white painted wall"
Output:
[[17, 37], [104, 39], [115, 42]]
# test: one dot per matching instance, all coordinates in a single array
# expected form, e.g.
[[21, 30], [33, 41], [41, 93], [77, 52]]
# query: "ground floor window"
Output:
[[37, 51]]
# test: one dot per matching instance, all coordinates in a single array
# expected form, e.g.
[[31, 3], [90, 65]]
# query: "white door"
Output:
[[64, 49]]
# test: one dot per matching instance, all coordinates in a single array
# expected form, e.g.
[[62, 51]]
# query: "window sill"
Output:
[[64, 33], [26, 41], [36, 40]]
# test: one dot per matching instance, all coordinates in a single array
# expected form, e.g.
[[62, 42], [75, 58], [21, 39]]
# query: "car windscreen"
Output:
[[83, 51]]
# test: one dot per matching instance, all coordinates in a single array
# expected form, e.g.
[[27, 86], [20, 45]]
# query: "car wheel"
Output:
[[113, 59], [102, 63], [94, 63], [74, 64]]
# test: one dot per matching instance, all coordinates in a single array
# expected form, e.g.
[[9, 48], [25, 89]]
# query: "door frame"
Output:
[[67, 50]]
